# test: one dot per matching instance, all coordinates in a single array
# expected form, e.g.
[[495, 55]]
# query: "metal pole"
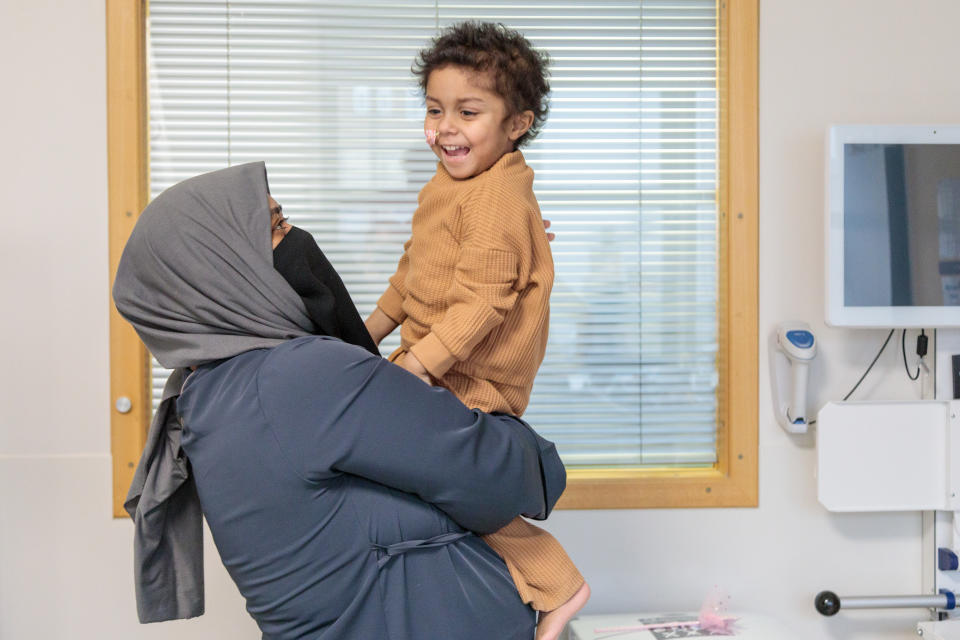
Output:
[[828, 603]]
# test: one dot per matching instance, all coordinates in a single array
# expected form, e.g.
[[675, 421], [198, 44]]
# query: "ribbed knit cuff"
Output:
[[391, 303], [434, 357]]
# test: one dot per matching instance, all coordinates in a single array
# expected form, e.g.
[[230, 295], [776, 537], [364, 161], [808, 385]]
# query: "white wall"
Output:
[[65, 564]]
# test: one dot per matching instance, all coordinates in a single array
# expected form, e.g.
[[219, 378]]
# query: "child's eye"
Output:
[[433, 112], [468, 114]]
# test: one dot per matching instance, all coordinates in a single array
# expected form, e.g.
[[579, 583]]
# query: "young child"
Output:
[[472, 288]]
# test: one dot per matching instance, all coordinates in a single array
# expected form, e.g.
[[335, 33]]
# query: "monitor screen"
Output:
[[893, 228]]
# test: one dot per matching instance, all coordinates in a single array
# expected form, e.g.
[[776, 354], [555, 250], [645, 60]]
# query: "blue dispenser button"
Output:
[[800, 338]]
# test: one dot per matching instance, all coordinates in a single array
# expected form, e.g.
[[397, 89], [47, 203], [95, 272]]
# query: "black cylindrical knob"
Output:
[[827, 603]]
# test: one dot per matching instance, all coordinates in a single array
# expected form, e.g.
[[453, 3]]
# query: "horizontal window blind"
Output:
[[625, 168]]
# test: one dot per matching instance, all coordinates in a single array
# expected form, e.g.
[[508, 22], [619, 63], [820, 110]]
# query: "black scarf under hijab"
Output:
[[303, 265]]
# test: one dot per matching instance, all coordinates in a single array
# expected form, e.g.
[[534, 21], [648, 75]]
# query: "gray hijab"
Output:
[[196, 278], [196, 281]]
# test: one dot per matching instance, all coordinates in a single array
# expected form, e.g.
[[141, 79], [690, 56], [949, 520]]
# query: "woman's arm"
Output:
[[336, 409]]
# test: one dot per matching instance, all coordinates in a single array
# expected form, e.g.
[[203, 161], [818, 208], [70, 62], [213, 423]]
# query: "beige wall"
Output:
[[65, 565]]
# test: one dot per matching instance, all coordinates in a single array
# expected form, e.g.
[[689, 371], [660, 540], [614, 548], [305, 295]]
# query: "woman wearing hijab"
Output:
[[343, 494]]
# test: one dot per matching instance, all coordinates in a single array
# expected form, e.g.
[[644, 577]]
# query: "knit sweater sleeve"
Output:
[[493, 234], [391, 302]]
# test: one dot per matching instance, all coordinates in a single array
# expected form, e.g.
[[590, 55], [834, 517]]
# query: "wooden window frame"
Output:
[[731, 482], [127, 157]]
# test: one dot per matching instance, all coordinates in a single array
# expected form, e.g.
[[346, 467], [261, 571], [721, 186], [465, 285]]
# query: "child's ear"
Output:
[[520, 124]]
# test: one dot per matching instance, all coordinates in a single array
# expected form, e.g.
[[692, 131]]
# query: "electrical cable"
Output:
[[875, 358], [903, 349]]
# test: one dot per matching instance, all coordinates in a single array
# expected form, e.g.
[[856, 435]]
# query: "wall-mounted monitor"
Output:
[[893, 226]]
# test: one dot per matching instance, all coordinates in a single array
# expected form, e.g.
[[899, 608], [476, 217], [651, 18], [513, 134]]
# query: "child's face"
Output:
[[471, 121]]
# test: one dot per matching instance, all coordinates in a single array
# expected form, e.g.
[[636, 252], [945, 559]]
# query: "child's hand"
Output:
[[411, 364], [546, 225], [379, 325]]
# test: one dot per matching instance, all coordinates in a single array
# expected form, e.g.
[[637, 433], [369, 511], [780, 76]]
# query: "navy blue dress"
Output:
[[342, 491]]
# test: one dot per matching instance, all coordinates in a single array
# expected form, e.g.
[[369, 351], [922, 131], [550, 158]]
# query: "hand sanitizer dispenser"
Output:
[[794, 350]]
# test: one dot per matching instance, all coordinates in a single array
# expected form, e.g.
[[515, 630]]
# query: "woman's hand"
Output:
[[411, 364]]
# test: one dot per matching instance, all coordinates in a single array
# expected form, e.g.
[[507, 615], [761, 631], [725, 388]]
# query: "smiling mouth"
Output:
[[455, 152]]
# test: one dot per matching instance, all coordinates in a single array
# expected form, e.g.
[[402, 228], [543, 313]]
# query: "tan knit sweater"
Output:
[[472, 289]]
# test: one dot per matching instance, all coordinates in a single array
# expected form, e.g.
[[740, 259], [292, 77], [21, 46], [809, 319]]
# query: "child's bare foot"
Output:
[[551, 623]]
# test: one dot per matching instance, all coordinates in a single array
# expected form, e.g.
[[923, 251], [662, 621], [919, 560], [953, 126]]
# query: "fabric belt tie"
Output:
[[392, 550]]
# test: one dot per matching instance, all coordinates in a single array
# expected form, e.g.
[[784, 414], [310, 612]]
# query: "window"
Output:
[[649, 384]]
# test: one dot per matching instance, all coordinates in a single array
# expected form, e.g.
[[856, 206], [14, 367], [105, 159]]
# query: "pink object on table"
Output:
[[711, 613]]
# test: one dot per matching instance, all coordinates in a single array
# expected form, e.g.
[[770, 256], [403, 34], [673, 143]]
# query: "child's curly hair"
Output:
[[519, 71]]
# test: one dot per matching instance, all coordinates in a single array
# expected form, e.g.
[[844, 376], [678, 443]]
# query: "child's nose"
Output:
[[446, 125]]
